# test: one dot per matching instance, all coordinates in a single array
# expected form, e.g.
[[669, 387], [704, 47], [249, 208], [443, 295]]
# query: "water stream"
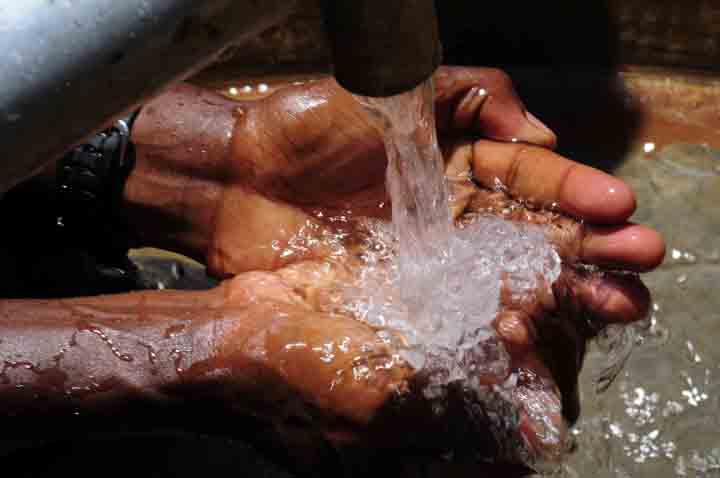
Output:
[[438, 286]]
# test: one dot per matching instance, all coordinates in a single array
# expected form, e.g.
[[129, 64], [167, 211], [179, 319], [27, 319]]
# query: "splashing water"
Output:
[[436, 286], [416, 184], [447, 331], [433, 289]]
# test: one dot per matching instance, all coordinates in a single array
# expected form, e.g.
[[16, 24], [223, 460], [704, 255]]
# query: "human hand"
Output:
[[310, 151], [348, 386]]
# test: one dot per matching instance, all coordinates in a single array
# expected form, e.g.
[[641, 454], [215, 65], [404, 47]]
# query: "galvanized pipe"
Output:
[[70, 66]]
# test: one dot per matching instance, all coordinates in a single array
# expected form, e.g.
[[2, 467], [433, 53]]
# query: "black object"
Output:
[[89, 191], [160, 454], [68, 235], [91, 177]]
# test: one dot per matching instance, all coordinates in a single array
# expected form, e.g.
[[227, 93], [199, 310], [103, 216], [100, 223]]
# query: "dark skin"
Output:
[[221, 181], [309, 148]]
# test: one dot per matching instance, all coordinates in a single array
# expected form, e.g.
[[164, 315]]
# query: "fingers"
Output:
[[542, 425], [580, 306], [516, 329], [582, 300], [607, 298], [546, 179], [629, 246], [555, 325], [483, 100]]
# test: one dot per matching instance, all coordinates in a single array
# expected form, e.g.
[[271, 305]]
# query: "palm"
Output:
[[306, 155], [318, 359], [312, 152]]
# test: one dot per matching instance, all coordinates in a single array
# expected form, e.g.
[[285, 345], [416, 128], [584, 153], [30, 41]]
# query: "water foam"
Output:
[[450, 334], [434, 286]]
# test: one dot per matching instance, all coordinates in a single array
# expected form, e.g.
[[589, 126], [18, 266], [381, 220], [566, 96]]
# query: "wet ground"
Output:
[[660, 131], [660, 418]]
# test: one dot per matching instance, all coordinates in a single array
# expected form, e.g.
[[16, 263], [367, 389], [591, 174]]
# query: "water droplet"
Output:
[[87, 327], [177, 357]]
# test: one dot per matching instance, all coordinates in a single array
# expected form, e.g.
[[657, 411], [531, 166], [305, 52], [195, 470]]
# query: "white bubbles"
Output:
[[437, 287], [434, 290], [450, 333]]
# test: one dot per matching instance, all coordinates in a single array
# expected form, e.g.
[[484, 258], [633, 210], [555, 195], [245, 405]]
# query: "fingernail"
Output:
[[533, 131], [469, 107], [538, 124]]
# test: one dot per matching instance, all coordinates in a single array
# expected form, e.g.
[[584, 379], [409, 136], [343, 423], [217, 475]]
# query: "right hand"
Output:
[[328, 376]]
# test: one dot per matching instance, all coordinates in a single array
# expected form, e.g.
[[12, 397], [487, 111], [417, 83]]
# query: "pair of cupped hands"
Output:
[[259, 175]]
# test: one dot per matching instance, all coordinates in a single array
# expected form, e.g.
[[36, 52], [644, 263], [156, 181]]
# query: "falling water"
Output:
[[437, 287], [441, 291], [417, 188]]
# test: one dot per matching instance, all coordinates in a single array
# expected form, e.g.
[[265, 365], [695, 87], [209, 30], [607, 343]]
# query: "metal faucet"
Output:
[[71, 66]]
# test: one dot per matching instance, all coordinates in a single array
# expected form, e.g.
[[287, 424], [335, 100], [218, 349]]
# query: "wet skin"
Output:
[[226, 181]]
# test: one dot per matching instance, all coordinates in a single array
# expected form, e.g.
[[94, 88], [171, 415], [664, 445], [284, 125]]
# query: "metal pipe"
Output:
[[382, 47], [70, 66]]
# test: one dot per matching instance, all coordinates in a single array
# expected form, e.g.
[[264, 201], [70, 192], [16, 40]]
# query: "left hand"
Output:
[[310, 150], [332, 370]]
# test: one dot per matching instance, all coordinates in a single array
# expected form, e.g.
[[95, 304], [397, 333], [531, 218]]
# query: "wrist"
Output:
[[182, 145]]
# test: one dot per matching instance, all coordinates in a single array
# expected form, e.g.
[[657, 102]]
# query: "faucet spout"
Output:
[[381, 47]]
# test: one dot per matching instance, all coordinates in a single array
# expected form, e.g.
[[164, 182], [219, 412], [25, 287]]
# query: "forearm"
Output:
[[226, 345], [96, 353]]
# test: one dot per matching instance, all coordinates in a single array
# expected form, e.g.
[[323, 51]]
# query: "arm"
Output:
[[95, 353], [246, 346]]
